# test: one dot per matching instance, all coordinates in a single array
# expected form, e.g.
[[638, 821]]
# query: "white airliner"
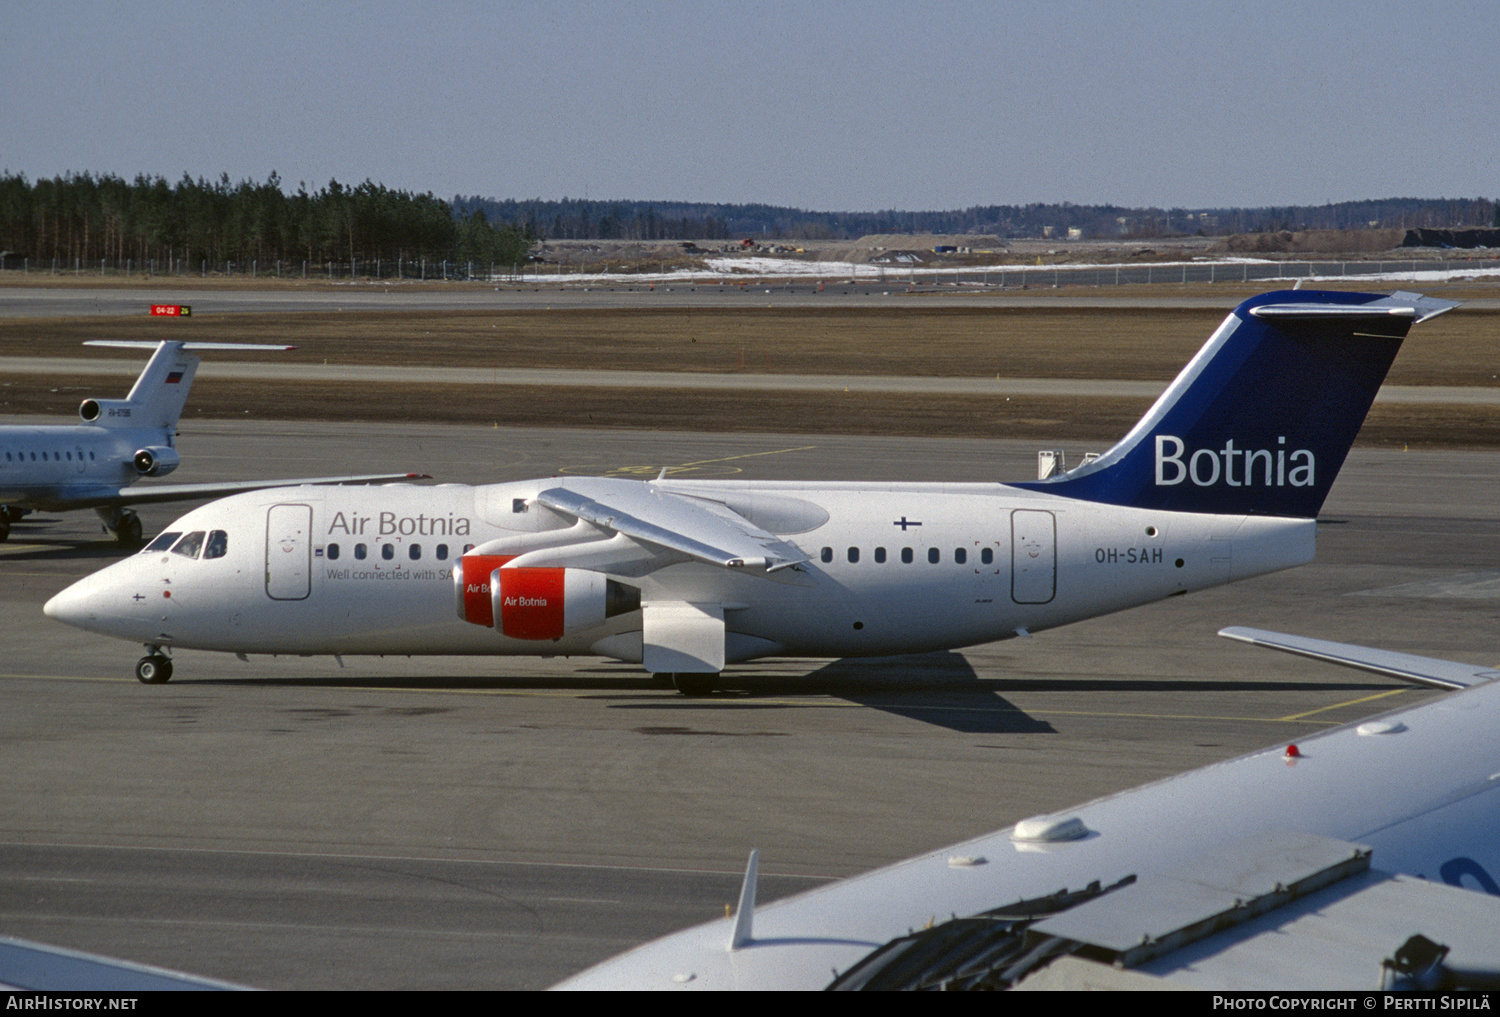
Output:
[[1219, 481], [57, 467], [1316, 866]]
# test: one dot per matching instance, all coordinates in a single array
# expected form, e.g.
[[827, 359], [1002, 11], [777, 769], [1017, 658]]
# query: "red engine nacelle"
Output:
[[474, 601], [537, 603]]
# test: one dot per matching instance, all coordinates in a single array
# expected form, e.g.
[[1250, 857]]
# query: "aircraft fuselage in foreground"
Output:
[[1290, 869]]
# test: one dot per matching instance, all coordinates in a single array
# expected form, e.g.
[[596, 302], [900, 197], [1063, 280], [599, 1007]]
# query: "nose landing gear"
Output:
[[154, 668]]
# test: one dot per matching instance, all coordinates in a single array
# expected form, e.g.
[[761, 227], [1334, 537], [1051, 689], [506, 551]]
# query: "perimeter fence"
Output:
[[798, 273], [415, 269]]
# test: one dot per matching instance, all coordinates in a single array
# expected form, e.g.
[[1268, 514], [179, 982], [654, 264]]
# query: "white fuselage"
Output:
[[909, 568], [51, 466]]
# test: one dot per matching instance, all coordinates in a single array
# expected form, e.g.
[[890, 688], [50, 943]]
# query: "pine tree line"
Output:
[[81, 218], [581, 219], [85, 219]]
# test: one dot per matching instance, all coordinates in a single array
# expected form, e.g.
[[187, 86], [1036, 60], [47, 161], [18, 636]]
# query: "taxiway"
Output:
[[442, 823]]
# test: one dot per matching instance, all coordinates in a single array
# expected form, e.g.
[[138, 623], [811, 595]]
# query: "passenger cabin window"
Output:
[[880, 556], [360, 551], [388, 551], [190, 545], [934, 555], [906, 556], [960, 555], [415, 552], [333, 552], [987, 556], [217, 546], [442, 552], [853, 555], [826, 555]]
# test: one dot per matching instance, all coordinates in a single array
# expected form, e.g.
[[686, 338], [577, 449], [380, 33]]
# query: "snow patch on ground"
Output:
[[751, 268]]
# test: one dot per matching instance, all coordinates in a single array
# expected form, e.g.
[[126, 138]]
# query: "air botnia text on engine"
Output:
[[537, 603]]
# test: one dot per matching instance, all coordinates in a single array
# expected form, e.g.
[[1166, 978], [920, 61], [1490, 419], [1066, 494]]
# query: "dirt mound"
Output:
[[1316, 242]]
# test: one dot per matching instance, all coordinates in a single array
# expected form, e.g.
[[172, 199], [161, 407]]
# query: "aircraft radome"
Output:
[[1220, 480], [58, 467], [1347, 861]]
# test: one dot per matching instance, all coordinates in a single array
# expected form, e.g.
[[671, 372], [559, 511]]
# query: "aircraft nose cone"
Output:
[[112, 602], [70, 606]]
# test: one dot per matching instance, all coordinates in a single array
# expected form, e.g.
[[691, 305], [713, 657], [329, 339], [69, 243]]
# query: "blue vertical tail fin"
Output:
[[1261, 419]]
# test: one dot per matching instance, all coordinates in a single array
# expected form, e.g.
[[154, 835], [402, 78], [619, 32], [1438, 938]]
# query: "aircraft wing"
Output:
[[1442, 674], [704, 531], [36, 967], [155, 493]]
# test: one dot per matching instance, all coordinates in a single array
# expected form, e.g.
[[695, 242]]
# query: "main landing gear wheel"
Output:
[[154, 669], [695, 684], [128, 533]]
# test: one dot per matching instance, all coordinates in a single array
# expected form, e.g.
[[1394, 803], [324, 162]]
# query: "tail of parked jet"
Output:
[[159, 394], [1261, 419]]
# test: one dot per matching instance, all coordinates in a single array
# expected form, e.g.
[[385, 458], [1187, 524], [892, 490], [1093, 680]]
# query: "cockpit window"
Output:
[[217, 546], [190, 545], [162, 542]]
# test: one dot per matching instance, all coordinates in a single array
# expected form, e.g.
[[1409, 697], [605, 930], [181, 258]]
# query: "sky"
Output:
[[830, 106]]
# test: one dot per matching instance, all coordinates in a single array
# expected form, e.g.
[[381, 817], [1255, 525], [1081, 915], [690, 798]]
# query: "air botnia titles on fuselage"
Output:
[[1222, 479], [389, 524]]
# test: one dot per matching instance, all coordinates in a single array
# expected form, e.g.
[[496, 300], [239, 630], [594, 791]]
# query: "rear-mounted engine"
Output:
[[155, 461]]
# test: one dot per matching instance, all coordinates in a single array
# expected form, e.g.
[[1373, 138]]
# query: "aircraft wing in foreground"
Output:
[[1222, 479], [36, 967], [1348, 861], [92, 464]]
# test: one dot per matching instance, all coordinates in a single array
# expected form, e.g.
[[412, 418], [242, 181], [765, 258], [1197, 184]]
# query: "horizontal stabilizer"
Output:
[[141, 344], [1442, 674], [1398, 305]]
